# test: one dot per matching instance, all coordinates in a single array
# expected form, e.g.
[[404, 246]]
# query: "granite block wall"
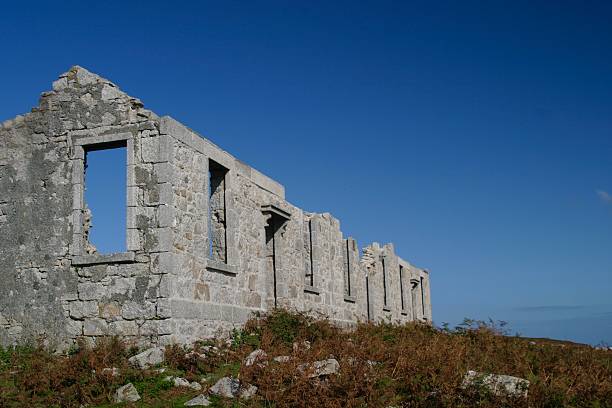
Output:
[[209, 240]]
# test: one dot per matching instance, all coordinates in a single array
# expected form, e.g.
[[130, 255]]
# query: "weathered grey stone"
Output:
[[256, 356], [127, 393], [199, 401], [229, 387], [226, 387], [282, 359], [248, 391], [181, 382], [148, 358], [497, 384], [321, 368], [178, 381], [112, 371], [79, 310]]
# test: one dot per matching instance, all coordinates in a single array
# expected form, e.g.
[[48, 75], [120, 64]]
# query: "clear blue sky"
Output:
[[475, 136]]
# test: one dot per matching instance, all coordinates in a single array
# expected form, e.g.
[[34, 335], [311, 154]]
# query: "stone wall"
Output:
[[210, 240]]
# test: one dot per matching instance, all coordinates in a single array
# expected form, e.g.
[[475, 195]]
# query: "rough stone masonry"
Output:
[[210, 240]]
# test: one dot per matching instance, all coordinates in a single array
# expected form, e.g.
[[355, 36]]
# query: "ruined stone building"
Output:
[[209, 240]]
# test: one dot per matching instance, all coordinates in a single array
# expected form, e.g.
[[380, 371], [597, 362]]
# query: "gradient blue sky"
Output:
[[476, 136]]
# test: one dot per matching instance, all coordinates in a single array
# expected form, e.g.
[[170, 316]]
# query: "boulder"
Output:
[[321, 368], [127, 393], [199, 401], [226, 387], [229, 387], [148, 358], [497, 384], [256, 355]]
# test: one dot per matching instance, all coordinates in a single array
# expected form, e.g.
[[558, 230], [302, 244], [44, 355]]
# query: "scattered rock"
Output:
[[199, 401], [113, 372], [181, 382], [282, 359], [127, 393], [305, 345], [231, 388], [248, 391], [195, 355], [256, 355], [226, 387], [148, 358], [497, 384], [321, 368]]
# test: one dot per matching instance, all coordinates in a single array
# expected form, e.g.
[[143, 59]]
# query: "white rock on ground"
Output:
[[305, 345], [497, 384], [181, 382], [195, 355], [230, 388], [282, 359], [114, 371], [257, 355], [226, 387], [199, 401], [127, 393], [321, 368], [148, 358], [248, 391]]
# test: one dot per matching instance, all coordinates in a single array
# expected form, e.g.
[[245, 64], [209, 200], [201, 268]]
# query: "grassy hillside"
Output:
[[381, 365]]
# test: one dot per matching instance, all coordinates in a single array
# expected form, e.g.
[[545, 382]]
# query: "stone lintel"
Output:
[[350, 299], [94, 259], [312, 289], [216, 266]]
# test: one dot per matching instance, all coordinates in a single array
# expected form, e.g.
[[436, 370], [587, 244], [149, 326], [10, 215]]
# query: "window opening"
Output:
[[422, 298], [217, 223], [401, 279], [310, 270], [347, 277], [384, 282], [105, 201]]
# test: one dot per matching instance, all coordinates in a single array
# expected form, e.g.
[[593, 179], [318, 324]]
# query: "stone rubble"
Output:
[[497, 384], [112, 371], [148, 358], [127, 393], [229, 387], [182, 382], [257, 355], [320, 368], [199, 401]]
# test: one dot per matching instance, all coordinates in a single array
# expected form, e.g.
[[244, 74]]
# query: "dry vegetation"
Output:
[[380, 366]]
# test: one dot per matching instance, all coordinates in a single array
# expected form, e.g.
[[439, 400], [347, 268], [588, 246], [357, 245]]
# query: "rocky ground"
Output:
[[286, 359]]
